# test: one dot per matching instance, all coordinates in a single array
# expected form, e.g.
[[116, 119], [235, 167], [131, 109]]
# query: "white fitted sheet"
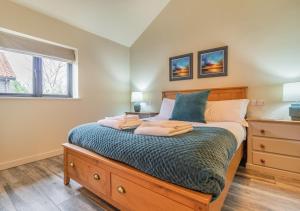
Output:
[[235, 128]]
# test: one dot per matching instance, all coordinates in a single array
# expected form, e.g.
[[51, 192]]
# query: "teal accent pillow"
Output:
[[190, 107]]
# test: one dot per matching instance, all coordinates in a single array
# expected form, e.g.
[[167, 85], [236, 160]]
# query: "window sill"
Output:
[[38, 98]]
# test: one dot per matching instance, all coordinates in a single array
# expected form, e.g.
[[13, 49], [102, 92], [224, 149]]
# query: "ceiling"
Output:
[[121, 21]]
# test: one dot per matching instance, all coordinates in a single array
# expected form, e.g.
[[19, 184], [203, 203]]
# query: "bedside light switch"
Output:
[[255, 102]]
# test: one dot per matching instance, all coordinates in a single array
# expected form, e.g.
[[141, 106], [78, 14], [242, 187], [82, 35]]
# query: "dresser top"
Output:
[[273, 121]]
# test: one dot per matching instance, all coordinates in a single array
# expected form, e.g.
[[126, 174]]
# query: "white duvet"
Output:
[[235, 128]]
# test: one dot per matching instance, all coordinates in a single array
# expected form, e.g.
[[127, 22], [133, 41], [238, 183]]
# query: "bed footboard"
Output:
[[129, 189]]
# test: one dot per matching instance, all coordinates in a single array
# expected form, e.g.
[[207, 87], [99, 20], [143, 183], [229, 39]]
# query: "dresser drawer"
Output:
[[280, 146], [94, 177], [276, 130], [126, 193], [277, 161]]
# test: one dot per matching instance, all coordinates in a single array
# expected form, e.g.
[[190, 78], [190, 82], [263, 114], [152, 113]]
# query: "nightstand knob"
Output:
[[262, 131], [262, 146], [72, 164], [262, 161]]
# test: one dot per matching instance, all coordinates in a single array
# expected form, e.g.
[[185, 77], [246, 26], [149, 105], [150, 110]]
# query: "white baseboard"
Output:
[[29, 159]]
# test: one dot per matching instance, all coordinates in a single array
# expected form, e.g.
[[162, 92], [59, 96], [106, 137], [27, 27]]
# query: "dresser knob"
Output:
[[121, 190], [96, 177], [262, 132], [72, 164], [262, 146], [262, 161]]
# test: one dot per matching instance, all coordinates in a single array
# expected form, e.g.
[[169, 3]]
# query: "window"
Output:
[[26, 75], [16, 73], [33, 67]]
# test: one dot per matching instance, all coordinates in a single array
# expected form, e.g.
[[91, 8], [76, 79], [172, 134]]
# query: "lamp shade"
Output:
[[291, 92], [136, 96]]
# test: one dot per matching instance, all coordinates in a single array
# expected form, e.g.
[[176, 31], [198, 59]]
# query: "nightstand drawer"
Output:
[[276, 130], [277, 161], [285, 147]]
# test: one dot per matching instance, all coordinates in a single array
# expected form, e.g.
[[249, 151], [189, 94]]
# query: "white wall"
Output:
[[264, 48], [35, 128]]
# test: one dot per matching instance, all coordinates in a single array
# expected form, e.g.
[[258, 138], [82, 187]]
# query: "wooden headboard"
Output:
[[230, 93]]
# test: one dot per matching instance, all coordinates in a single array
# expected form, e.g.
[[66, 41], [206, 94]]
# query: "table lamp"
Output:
[[291, 93], [137, 98]]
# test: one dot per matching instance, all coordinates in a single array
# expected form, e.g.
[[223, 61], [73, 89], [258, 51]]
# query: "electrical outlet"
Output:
[[253, 102]]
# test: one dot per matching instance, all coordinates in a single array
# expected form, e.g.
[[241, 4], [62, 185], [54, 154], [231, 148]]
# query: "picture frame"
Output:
[[213, 62], [181, 67]]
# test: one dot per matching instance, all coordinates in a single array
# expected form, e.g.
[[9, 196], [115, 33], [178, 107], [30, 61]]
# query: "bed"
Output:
[[130, 187]]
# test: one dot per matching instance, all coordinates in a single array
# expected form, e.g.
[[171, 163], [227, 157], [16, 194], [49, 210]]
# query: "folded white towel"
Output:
[[163, 128], [120, 125], [121, 122], [160, 131], [167, 124], [124, 117]]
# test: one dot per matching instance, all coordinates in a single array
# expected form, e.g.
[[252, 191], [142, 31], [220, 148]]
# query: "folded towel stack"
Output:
[[121, 122], [163, 128]]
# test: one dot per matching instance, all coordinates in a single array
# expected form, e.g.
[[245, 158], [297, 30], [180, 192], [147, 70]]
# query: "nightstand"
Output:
[[143, 115], [274, 148]]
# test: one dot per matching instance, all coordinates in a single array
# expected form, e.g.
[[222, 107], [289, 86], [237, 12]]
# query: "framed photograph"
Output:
[[181, 67], [212, 62]]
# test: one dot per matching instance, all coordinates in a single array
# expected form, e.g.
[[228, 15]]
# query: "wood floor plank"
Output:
[[237, 203], [5, 202], [282, 190], [7, 177], [263, 197], [54, 167], [97, 200], [25, 195], [50, 184], [79, 203], [28, 198]]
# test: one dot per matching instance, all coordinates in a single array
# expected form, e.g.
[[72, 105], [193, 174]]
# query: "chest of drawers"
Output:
[[274, 148]]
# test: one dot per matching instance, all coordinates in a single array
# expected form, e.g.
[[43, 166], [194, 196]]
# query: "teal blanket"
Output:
[[197, 160]]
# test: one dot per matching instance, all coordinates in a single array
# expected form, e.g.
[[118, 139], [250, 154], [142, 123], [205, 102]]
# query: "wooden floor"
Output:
[[39, 186]]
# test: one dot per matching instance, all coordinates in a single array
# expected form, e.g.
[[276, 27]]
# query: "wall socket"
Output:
[[255, 102]]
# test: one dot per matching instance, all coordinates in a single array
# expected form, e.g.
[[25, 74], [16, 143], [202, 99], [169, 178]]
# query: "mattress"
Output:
[[197, 160]]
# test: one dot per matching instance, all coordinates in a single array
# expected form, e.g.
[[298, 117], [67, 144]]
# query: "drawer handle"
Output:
[[72, 164], [262, 161], [96, 177], [262, 146], [262, 132], [121, 190]]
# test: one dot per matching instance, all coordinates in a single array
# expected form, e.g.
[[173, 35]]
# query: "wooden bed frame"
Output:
[[130, 189]]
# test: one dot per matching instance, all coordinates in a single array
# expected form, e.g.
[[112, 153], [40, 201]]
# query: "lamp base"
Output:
[[137, 107], [294, 111]]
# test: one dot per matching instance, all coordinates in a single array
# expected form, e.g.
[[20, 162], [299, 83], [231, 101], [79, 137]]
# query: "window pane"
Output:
[[55, 77], [16, 74]]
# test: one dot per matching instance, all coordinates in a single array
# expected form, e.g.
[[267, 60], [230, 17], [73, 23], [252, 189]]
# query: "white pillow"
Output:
[[166, 108], [227, 111]]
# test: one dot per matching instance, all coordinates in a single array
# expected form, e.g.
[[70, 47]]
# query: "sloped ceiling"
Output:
[[121, 21]]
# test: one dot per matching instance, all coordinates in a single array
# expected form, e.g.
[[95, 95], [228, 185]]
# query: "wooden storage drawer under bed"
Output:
[[92, 176], [129, 194]]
